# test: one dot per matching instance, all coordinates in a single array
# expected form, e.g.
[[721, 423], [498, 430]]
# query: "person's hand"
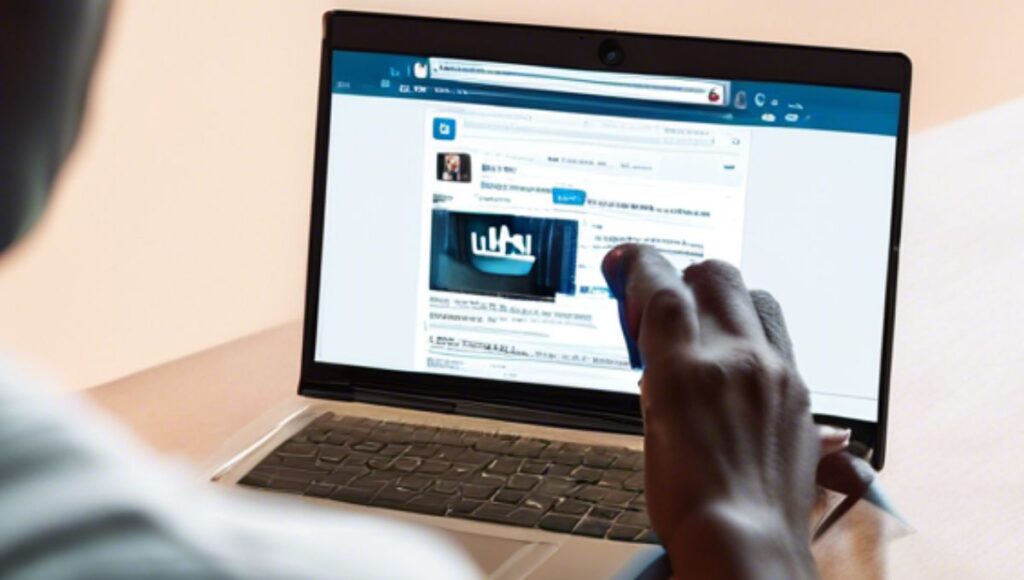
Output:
[[730, 448]]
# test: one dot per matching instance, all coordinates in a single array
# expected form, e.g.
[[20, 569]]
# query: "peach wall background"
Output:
[[180, 221]]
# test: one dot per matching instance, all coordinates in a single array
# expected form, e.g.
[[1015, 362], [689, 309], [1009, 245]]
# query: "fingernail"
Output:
[[833, 432]]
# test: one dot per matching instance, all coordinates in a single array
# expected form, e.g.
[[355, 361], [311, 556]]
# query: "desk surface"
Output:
[[954, 467]]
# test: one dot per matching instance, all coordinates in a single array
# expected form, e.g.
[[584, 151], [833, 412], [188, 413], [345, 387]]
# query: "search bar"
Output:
[[629, 86]]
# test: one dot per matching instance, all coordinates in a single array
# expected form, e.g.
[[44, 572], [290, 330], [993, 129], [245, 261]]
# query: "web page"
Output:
[[525, 204], [469, 208]]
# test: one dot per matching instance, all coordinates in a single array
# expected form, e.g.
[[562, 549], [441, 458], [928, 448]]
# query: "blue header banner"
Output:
[[783, 105]]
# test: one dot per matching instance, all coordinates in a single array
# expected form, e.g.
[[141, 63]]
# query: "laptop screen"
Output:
[[469, 205]]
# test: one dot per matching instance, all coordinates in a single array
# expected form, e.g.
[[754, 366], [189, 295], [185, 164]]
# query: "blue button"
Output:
[[444, 129], [566, 196]]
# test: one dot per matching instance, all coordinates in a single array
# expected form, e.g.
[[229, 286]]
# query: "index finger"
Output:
[[656, 310]]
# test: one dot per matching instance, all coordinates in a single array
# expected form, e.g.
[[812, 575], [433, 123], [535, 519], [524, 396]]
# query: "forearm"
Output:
[[739, 542]]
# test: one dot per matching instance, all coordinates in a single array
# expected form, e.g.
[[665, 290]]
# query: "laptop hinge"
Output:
[[498, 411], [548, 418], [374, 397]]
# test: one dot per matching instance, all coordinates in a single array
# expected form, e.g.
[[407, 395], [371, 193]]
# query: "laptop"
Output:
[[463, 365]]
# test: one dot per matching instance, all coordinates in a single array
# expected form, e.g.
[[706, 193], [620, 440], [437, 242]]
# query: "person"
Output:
[[730, 448]]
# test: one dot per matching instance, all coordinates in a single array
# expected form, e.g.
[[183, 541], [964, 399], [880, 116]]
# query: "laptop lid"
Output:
[[470, 176]]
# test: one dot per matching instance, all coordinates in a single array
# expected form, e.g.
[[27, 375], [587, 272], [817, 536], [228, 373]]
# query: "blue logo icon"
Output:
[[444, 129]]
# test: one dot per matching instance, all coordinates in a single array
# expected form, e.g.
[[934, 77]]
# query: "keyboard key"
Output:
[[523, 482], [505, 465], [289, 485], [572, 507], [371, 482], [475, 458], [424, 435], [635, 482], [368, 446], [628, 460], [587, 474], [559, 522], [592, 493], [492, 445], [526, 517], [392, 450], [332, 453], [647, 537], [300, 462], [415, 482], [407, 463], [604, 513], [510, 496], [527, 448], [356, 458], [533, 467], [379, 463], [297, 449], [294, 473], [638, 503], [316, 435], [568, 458], [422, 450], [388, 475], [429, 503], [475, 491], [464, 507], [448, 452], [320, 489], [615, 477], [539, 501], [433, 466], [493, 512], [489, 479], [556, 486], [592, 527], [343, 475], [559, 470], [393, 497], [618, 498], [449, 437], [446, 486], [598, 460], [255, 479], [356, 495], [638, 519], [339, 439], [624, 533]]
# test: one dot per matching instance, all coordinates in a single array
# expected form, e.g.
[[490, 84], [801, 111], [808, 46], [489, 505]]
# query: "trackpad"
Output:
[[503, 557]]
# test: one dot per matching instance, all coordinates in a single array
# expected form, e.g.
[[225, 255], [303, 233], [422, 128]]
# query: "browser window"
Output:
[[469, 205]]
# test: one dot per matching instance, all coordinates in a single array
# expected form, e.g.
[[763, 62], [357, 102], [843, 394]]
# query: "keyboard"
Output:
[[584, 490]]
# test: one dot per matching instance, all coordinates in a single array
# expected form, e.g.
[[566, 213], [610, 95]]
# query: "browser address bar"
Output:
[[630, 86]]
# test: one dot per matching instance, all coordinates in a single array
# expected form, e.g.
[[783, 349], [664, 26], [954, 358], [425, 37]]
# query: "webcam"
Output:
[[611, 53]]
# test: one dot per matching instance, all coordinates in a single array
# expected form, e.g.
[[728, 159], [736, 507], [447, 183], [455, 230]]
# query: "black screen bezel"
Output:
[[572, 48]]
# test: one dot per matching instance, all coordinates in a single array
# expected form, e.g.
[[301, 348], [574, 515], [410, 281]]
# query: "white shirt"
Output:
[[80, 498]]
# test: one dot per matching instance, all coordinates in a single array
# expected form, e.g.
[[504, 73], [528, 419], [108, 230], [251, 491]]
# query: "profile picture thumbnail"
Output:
[[454, 167], [503, 255]]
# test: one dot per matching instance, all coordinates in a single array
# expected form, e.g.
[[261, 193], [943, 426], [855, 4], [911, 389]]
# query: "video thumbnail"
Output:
[[454, 167], [503, 255]]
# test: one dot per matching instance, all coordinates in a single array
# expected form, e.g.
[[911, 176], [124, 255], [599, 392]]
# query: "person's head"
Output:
[[47, 51], [451, 162]]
